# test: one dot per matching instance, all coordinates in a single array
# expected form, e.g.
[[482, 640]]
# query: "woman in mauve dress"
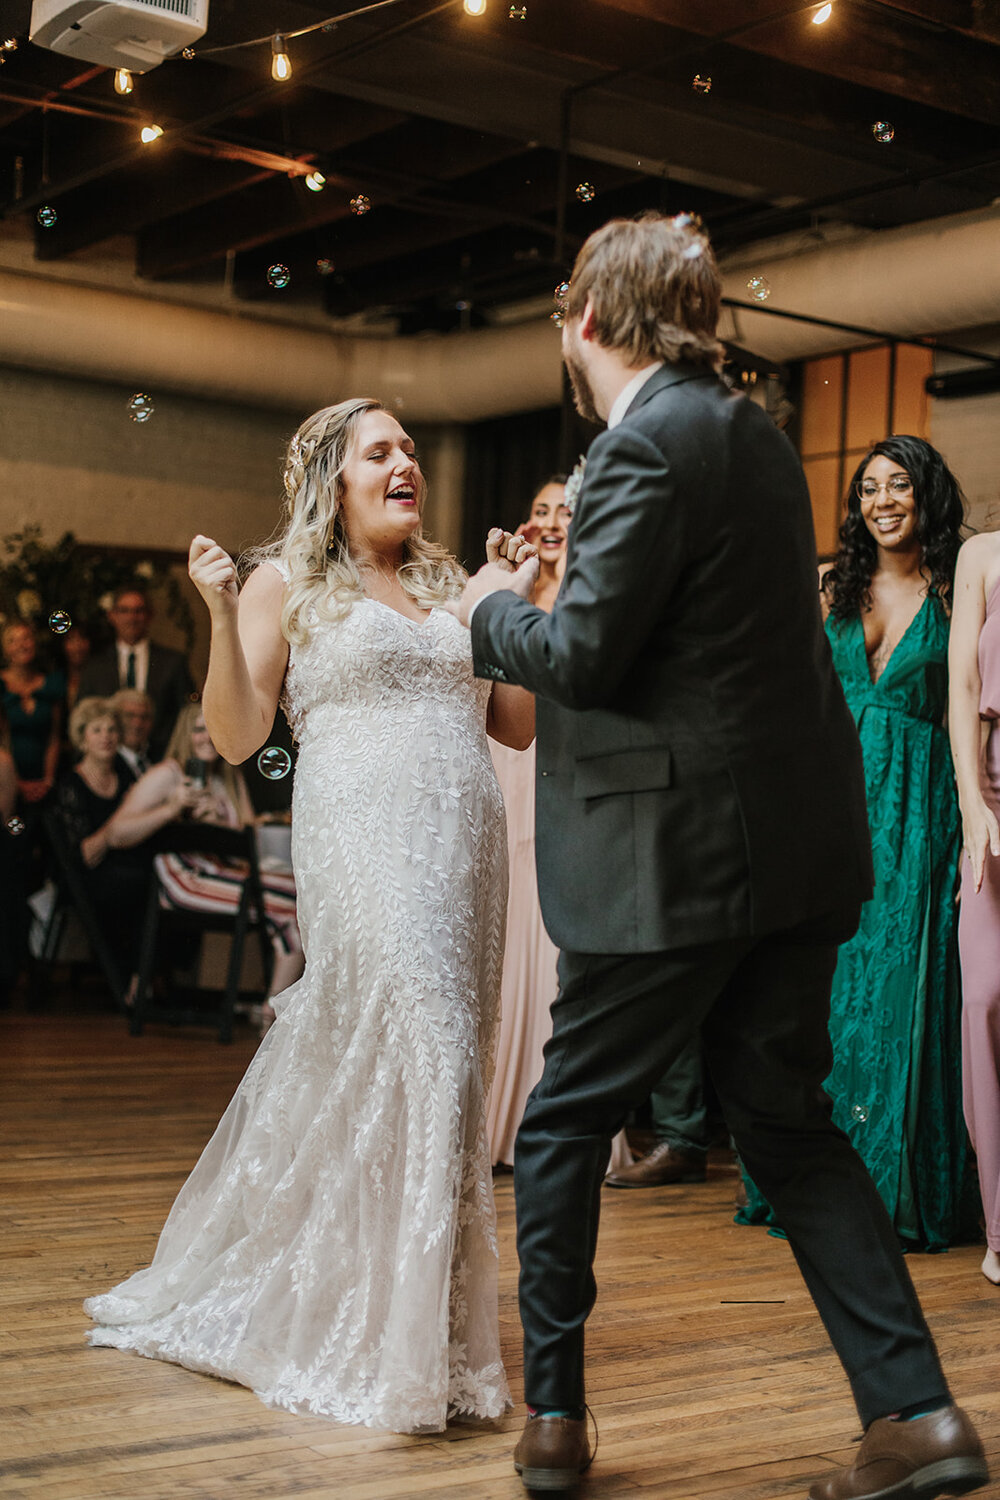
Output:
[[973, 712]]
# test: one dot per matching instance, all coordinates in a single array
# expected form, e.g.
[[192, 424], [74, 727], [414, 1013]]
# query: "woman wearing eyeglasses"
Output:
[[895, 1006]]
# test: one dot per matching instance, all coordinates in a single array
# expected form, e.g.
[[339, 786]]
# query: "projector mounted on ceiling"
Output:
[[133, 34]]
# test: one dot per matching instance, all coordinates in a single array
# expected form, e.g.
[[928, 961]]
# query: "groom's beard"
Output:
[[583, 391]]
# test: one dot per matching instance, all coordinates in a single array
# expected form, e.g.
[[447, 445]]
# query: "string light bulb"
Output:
[[474, 7], [823, 14], [123, 81], [150, 133], [315, 182], [281, 63]]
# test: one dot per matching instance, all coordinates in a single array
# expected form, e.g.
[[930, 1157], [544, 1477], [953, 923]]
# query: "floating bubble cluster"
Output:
[[586, 192], [860, 1113], [701, 83], [883, 132], [140, 407], [59, 622], [14, 827], [188, 53], [517, 13], [759, 288], [560, 294], [46, 216], [325, 267], [360, 205], [278, 276], [274, 763]]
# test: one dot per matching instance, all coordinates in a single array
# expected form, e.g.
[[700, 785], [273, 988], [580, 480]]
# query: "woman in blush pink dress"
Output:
[[973, 715], [529, 982], [529, 966]]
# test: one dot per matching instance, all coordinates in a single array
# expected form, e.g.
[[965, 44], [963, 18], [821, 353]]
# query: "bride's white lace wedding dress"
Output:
[[335, 1248]]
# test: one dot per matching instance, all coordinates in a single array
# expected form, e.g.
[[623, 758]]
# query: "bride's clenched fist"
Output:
[[213, 573]]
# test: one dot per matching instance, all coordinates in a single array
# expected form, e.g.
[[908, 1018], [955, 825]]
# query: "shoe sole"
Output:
[[950, 1476], [549, 1479], [669, 1182]]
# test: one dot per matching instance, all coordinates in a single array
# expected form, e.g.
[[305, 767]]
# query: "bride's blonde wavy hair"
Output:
[[323, 579]]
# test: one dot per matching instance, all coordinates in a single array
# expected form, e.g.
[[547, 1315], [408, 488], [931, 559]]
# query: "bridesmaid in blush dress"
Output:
[[529, 967], [973, 712]]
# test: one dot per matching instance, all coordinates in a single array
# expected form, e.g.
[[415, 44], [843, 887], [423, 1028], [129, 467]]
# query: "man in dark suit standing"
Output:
[[702, 850], [134, 661]]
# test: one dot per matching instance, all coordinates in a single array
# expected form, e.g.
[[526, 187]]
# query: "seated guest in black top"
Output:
[[86, 799]]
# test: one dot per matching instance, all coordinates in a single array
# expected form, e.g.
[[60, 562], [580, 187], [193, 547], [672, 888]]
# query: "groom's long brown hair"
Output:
[[654, 287]]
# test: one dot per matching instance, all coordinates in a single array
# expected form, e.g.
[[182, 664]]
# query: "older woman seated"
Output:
[[194, 782], [86, 800]]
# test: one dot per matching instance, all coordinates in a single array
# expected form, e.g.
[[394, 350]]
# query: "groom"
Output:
[[702, 850]]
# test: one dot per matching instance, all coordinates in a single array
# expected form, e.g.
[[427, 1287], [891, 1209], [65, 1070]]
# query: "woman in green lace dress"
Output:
[[895, 1018]]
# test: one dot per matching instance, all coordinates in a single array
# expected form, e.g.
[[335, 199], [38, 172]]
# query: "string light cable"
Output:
[[273, 37]]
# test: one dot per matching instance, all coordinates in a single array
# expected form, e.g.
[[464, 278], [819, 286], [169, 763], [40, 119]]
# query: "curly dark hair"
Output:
[[940, 514]]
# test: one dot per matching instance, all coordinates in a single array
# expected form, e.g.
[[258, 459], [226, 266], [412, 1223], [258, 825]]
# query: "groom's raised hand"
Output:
[[512, 563]]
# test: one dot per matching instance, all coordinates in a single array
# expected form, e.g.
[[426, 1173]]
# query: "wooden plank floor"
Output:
[[709, 1372]]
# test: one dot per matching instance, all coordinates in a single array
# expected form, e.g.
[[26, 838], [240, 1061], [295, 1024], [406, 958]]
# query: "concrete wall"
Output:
[[71, 459], [967, 432]]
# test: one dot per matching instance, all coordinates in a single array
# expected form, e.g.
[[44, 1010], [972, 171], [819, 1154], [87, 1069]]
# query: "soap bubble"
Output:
[[59, 622], [860, 1113], [883, 132], [517, 13], [14, 827], [701, 83], [278, 276], [586, 192], [759, 288], [188, 53], [140, 407], [325, 267], [46, 216], [558, 317], [360, 205], [274, 763]]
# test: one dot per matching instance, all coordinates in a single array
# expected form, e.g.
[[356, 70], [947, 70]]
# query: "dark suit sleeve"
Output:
[[625, 554]]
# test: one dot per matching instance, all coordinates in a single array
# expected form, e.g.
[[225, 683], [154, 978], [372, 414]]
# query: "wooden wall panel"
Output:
[[868, 396], [822, 381], [911, 403], [823, 476]]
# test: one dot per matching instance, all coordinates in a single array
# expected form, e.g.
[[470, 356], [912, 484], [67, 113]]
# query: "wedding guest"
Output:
[[895, 1018], [33, 702], [195, 882], [76, 650], [530, 983], [136, 711], [134, 661], [87, 797], [973, 714]]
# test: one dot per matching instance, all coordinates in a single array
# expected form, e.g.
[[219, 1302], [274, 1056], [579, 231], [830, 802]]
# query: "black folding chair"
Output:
[[192, 1005], [71, 895]]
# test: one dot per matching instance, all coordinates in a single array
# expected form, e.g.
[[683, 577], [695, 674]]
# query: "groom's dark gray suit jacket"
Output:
[[698, 772]]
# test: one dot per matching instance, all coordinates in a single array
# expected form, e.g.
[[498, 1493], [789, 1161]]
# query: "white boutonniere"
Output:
[[574, 484]]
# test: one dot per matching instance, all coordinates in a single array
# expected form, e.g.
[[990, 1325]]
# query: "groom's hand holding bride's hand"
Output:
[[511, 563]]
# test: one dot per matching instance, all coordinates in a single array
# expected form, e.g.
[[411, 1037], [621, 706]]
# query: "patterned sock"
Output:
[[920, 1409]]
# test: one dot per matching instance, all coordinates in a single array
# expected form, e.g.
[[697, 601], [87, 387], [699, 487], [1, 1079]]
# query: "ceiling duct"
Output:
[[133, 34]]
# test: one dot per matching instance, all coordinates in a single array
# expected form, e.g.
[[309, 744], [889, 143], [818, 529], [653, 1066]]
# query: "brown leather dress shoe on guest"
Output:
[[939, 1454], [552, 1453], [664, 1164]]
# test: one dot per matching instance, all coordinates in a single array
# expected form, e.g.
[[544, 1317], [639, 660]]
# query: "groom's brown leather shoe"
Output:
[[665, 1164], [553, 1453], [939, 1454]]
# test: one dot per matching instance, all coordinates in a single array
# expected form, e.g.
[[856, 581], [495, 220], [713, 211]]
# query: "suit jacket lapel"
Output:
[[665, 377]]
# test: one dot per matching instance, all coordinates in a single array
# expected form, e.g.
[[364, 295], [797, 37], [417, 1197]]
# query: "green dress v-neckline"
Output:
[[876, 682]]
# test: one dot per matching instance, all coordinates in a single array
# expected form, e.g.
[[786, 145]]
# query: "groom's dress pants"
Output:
[[763, 1008]]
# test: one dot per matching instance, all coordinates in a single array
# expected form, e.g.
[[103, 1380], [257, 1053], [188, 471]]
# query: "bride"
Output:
[[334, 1249]]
